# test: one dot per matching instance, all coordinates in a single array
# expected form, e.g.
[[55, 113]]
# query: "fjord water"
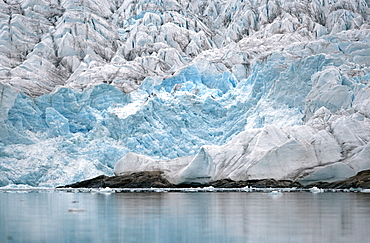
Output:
[[184, 217]]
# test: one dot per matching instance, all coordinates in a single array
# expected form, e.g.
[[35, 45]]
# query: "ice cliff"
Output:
[[202, 90]]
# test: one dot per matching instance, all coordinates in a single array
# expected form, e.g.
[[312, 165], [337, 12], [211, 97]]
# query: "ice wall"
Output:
[[202, 90]]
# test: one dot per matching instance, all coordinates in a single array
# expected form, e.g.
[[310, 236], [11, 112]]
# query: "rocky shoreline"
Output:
[[155, 179]]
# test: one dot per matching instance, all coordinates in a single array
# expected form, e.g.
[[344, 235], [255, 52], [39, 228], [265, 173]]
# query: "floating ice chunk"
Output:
[[190, 190], [106, 190], [208, 189], [275, 193], [159, 190], [247, 189], [76, 210], [316, 190]]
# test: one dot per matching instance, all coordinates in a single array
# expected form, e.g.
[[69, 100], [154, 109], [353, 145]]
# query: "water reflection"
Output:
[[184, 217]]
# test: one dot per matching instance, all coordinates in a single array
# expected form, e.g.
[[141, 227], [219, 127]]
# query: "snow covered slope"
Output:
[[202, 90]]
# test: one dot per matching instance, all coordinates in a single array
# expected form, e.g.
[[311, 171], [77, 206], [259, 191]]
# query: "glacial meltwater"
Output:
[[60, 216]]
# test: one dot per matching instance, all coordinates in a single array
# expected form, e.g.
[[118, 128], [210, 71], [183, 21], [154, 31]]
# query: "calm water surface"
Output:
[[184, 217]]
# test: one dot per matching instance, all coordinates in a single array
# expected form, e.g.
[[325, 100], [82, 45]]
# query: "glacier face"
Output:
[[202, 90]]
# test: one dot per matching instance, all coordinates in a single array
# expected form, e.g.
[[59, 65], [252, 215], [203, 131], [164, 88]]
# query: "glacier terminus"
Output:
[[201, 90]]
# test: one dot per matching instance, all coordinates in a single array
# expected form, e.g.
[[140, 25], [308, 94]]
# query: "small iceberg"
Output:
[[76, 210], [275, 193], [208, 189], [316, 190], [106, 190], [158, 190], [365, 190]]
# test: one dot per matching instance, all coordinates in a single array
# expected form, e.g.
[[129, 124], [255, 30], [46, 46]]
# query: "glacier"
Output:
[[202, 90]]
